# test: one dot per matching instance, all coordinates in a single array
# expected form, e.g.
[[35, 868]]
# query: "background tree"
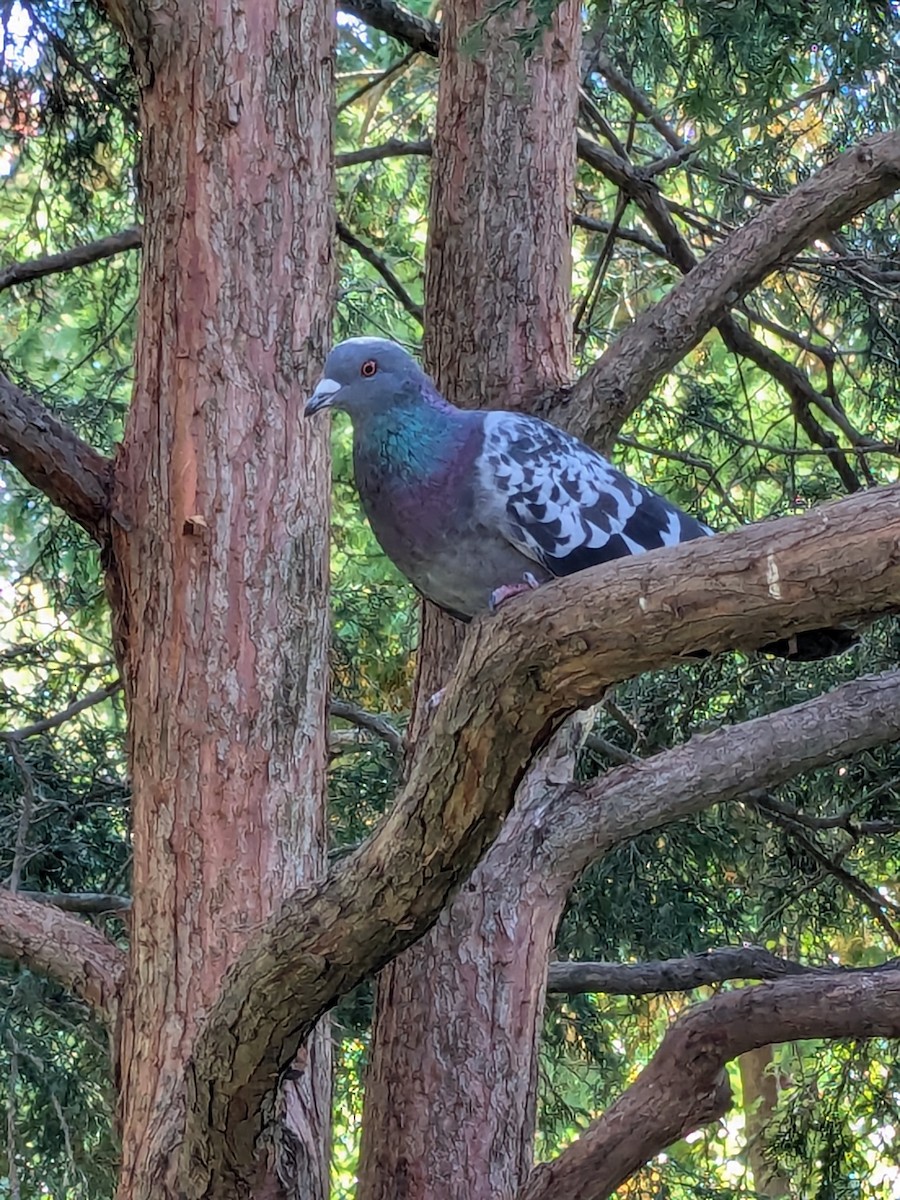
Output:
[[692, 125]]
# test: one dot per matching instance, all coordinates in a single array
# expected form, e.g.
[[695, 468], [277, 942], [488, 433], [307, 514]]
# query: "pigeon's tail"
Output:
[[812, 644]]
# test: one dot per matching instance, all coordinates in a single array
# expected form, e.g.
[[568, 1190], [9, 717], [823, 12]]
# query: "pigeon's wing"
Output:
[[565, 506]]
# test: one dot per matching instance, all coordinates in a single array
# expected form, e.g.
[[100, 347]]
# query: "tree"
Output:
[[211, 524]]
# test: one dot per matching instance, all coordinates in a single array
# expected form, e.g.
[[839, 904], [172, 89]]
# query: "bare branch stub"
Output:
[[684, 1086]]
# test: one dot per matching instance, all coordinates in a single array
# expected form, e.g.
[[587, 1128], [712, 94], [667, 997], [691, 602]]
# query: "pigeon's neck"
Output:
[[411, 440]]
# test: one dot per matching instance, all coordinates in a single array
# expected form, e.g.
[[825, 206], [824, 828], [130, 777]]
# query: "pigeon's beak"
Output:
[[322, 397]]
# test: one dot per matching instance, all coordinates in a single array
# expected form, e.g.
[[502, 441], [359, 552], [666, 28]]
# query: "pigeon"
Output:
[[477, 506]]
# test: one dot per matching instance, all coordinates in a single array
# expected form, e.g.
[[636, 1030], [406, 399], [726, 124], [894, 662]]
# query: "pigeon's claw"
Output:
[[506, 592]]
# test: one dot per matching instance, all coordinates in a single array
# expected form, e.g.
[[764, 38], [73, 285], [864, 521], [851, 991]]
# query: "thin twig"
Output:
[[28, 803], [380, 726], [870, 897], [842, 820], [12, 1170], [379, 262], [66, 260], [72, 710]]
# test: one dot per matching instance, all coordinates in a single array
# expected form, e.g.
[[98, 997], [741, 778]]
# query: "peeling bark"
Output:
[[222, 560]]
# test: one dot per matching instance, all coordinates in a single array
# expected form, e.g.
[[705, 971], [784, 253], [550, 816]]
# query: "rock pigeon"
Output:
[[475, 506]]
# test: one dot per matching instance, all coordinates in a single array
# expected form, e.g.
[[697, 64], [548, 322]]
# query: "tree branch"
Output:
[[414, 31], [685, 1087], [86, 903], [380, 726], [393, 148], [379, 262], [66, 260], [597, 405], [75, 954], [870, 897], [736, 762], [53, 458], [721, 965], [66, 714], [519, 675]]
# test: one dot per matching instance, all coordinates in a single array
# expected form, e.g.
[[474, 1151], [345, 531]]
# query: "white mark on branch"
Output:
[[773, 578]]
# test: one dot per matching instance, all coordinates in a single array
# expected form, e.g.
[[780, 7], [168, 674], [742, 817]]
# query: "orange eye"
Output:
[[369, 367]]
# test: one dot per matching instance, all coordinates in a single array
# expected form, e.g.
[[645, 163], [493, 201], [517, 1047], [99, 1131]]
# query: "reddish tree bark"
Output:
[[221, 557]]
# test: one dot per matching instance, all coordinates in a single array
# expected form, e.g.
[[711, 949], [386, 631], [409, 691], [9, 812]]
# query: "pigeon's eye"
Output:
[[369, 367]]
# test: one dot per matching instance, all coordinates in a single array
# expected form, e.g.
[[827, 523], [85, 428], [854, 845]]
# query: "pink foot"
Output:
[[506, 592]]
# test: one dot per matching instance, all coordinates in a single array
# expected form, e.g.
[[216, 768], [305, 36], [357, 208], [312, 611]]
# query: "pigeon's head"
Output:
[[363, 375]]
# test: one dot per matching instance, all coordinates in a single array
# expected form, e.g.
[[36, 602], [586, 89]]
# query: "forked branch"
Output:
[[613, 387]]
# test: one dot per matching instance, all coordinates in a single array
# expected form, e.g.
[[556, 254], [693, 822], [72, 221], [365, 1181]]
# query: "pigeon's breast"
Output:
[[438, 529]]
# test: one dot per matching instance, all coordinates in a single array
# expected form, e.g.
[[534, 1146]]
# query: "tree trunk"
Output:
[[759, 1091], [450, 1090], [220, 572]]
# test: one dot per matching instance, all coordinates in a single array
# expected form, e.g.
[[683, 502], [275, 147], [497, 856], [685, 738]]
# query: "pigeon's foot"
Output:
[[501, 594]]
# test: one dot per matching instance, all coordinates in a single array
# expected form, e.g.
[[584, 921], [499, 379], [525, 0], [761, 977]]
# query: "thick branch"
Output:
[[680, 974], [609, 392], [414, 31], [685, 1087], [53, 458], [75, 954], [519, 675], [66, 260]]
